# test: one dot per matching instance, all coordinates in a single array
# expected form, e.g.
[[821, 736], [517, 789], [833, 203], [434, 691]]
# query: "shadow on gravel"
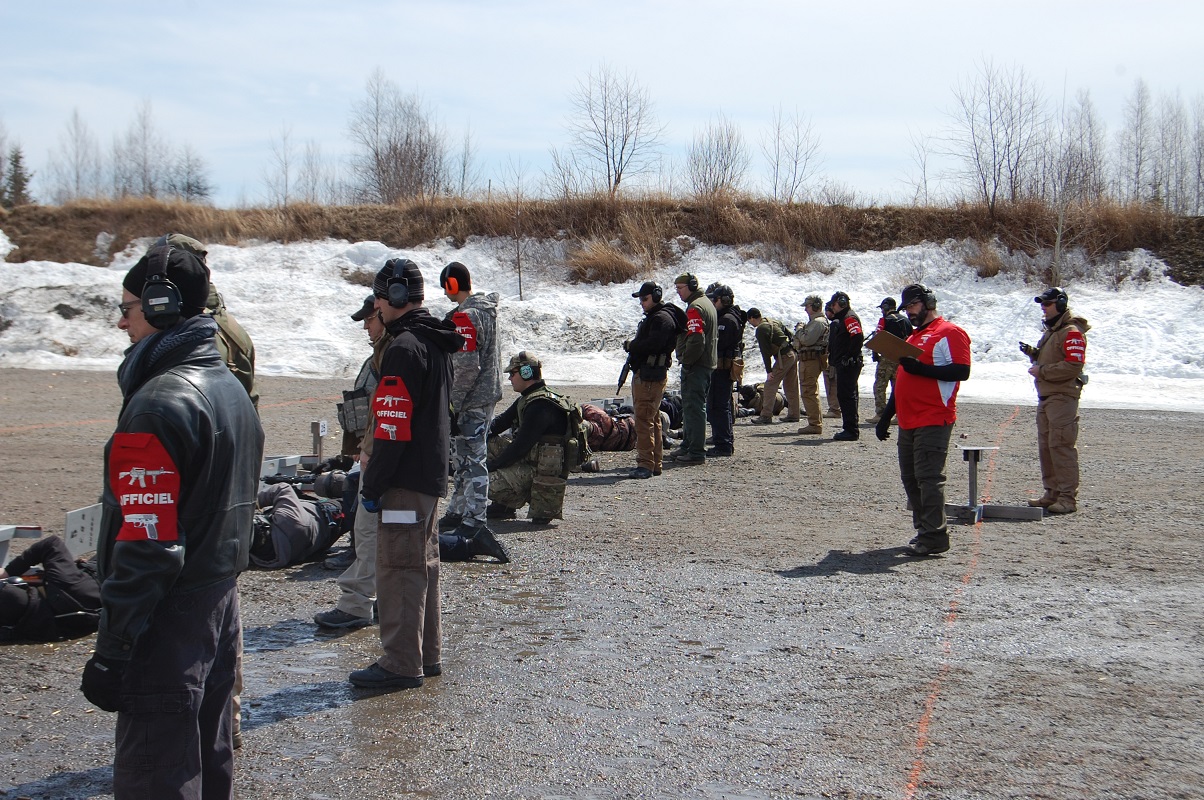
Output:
[[95, 782], [313, 571], [871, 562], [292, 702], [288, 633], [599, 480]]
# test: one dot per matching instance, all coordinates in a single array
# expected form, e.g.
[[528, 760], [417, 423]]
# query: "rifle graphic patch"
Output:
[[694, 322], [465, 328], [146, 483], [392, 409], [1075, 347]]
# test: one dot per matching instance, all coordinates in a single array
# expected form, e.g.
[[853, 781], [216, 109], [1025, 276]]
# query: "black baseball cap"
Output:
[[366, 309]]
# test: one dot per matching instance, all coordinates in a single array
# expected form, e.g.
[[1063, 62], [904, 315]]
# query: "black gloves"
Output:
[[337, 462], [948, 372], [882, 429], [101, 683], [1028, 350]]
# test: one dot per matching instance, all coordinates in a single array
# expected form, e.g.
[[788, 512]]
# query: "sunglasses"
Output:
[[124, 308], [1047, 304]]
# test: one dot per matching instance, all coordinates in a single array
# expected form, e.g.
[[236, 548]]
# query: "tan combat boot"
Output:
[[809, 429], [1044, 501], [1063, 505]]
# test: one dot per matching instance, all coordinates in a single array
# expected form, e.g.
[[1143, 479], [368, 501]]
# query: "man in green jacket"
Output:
[[781, 365]]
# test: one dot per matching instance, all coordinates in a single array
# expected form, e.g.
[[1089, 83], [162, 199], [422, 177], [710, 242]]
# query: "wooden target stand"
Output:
[[976, 511]]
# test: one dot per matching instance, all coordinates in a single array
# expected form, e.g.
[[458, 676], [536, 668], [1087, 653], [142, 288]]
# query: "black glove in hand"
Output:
[[102, 682], [911, 366], [882, 429]]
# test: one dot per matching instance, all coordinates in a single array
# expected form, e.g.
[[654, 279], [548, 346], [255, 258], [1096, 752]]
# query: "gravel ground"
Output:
[[744, 629]]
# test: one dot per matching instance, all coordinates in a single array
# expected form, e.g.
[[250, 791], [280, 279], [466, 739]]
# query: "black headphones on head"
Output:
[[691, 281], [1061, 301], [161, 301], [397, 288], [657, 293]]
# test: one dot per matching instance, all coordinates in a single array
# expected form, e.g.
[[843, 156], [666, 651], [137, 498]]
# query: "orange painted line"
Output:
[[934, 693], [41, 426]]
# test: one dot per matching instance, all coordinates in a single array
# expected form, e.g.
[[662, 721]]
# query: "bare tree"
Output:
[[467, 172], [315, 182], [1134, 145], [789, 147], [278, 174], [566, 179], [717, 159], [3, 150], [996, 124], [1172, 161], [400, 149], [921, 152], [1197, 153], [188, 178], [75, 167], [140, 159], [613, 127]]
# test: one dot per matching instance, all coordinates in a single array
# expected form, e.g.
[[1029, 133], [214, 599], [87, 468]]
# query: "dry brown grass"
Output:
[[598, 261], [645, 229]]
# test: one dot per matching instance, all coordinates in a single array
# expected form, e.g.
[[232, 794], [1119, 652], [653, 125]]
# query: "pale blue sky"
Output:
[[226, 77]]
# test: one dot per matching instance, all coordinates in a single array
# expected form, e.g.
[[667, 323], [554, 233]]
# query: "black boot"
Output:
[[483, 543]]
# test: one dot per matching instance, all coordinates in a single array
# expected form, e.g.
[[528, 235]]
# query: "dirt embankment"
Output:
[[747, 628]]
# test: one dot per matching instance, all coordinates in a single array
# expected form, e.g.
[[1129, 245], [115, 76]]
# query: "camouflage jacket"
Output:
[[477, 379]]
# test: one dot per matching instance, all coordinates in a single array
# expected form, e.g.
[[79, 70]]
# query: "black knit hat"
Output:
[[186, 271], [399, 270], [455, 278]]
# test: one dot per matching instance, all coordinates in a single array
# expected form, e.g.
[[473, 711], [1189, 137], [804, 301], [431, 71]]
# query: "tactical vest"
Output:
[[572, 442]]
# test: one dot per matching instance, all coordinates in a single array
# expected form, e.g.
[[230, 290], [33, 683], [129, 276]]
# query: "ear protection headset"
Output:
[[918, 290], [397, 290], [525, 371], [657, 293], [1061, 301], [691, 282], [161, 301], [449, 282]]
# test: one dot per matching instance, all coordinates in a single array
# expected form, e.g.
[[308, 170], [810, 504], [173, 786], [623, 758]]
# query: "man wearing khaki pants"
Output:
[[811, 342], [781, 366]]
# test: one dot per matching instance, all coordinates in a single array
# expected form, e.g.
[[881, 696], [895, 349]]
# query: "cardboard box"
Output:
[[889, 346]]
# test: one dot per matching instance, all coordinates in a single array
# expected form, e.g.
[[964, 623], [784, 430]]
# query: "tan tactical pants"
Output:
[[809, 370], [646, 399], [1057, 437], [784, 374]]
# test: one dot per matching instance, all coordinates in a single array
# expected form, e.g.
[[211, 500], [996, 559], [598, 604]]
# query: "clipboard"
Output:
[[889, 346]]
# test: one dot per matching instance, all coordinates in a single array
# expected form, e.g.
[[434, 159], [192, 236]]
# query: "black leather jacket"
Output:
[[188, 401]]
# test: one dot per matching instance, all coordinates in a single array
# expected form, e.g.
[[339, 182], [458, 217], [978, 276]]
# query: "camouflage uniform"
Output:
[[476, 388], [538, 476]]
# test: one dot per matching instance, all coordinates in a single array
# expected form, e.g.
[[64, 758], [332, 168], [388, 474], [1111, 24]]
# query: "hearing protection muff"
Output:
[[526, 372], [1061, 301], [449, 282], [161, 301], [691, 282], [397, 292]]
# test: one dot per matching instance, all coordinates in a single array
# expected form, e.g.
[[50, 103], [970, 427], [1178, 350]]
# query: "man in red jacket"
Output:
[[925, 398]]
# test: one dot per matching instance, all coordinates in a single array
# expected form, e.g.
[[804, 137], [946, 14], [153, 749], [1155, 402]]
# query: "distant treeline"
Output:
[[609, 239]]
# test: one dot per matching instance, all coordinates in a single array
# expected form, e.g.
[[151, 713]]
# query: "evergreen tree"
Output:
[[14, 191]]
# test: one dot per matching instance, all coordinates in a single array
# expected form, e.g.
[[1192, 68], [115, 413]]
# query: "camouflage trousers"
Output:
[[470, 482], [883, 377], [520, 483]]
